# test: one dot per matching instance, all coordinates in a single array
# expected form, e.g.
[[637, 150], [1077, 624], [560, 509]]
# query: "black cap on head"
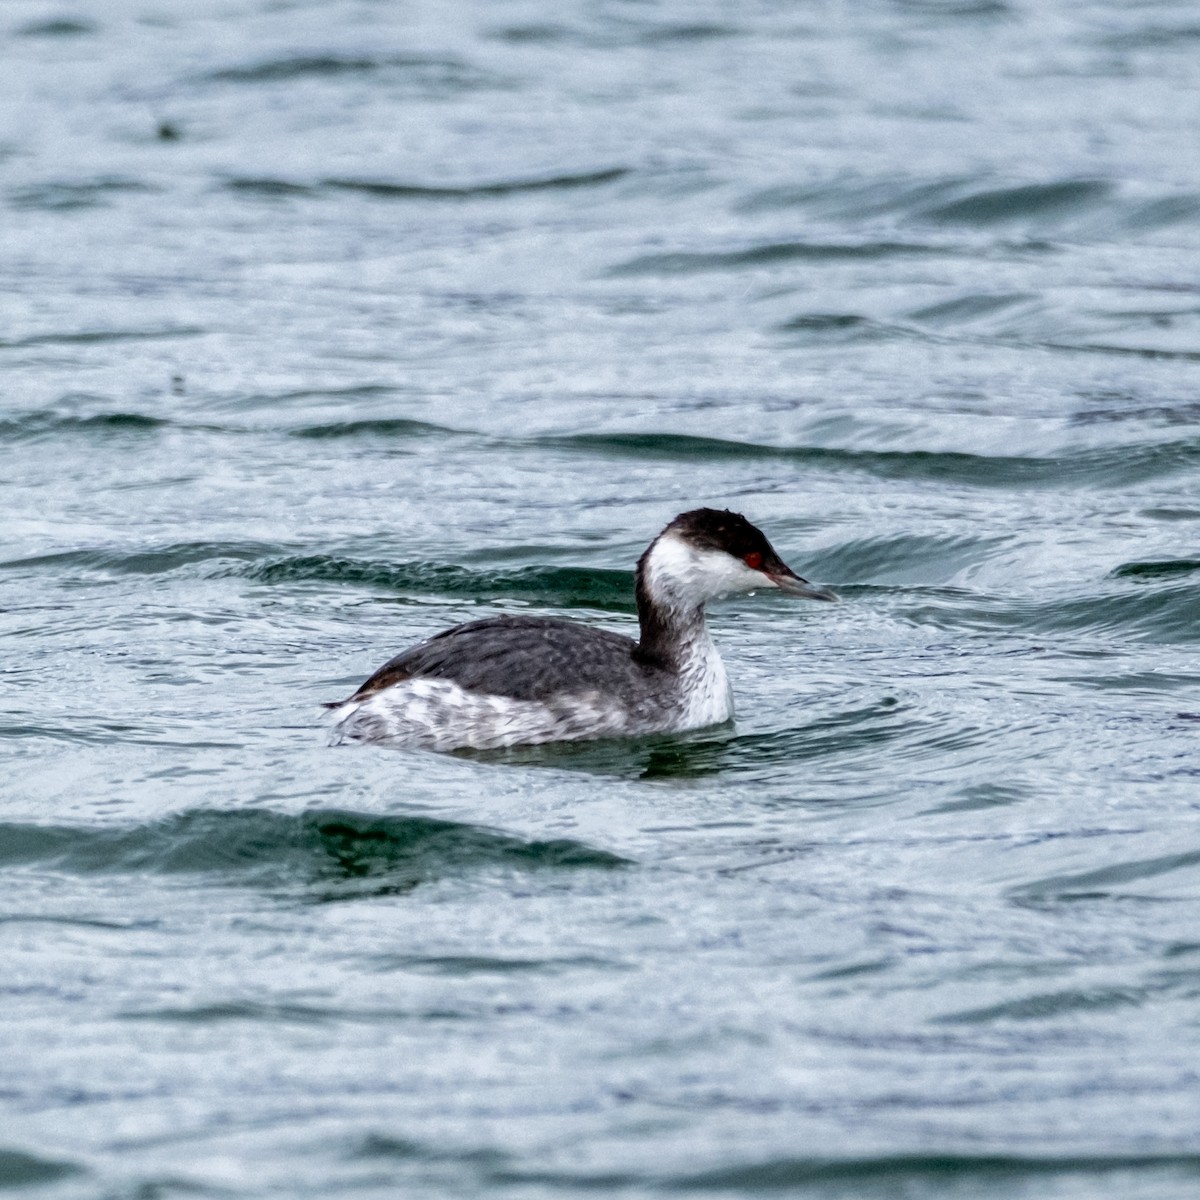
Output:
[[720, 529], [730, 532]]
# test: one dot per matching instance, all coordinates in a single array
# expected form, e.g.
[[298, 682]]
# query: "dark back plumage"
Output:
[[550, 657]]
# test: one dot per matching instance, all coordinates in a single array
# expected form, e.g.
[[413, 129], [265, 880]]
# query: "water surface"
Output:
[[326, 325]]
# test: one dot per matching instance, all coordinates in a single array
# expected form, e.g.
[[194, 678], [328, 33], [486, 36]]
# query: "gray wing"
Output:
[[525, 658]]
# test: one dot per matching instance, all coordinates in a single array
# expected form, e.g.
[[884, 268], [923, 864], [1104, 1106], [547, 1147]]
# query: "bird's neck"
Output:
[[670, 606]]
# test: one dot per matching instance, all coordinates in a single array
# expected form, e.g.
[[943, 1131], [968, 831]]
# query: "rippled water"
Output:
[[326, 325]]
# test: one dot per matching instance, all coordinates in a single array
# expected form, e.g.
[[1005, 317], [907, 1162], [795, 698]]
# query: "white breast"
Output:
[[707, 696]]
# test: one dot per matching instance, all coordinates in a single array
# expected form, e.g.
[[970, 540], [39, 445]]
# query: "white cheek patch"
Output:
[[690, 575], [725, 575]]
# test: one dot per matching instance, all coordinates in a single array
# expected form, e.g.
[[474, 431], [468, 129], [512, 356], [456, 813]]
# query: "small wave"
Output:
[[277, 400], [271, 563], [87, 337], [1111, 466], [694, 262], [1171, 513], [254, 185], [1152, 353], [283, 69], [1049, 1005], [158, 561], [1171, 982], [836, 328], [58, 27], [1104, 883], [1147, 683], [427, 71], [391, 427], [918, 1174], [20, 1170], [466, 965], [324, 850], [616, 34], [63, 196], [499, 187], [1018, 320], [281, 1012], [35, 426], [382, 189], [961, 202], [1162, 212], [979, 797], [903, 560], [971, 309], [19, 918], [534, 33], [971, 9], [1153, 36], [1168, 615], [850, 732], [992, 206], [1165, 569], [884, 1176], [957, 201], [1107, 412], [857, 199], [686, 32], [566, 587]]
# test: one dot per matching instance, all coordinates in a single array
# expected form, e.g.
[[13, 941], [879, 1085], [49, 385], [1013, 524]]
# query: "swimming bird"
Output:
[[523, 680]]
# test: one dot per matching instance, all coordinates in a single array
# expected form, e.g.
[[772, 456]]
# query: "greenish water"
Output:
[[327, 325]]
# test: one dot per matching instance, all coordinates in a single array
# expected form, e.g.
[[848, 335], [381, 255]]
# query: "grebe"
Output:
[[518, 680]]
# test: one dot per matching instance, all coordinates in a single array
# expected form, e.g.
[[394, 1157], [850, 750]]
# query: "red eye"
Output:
[[753, 560]]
